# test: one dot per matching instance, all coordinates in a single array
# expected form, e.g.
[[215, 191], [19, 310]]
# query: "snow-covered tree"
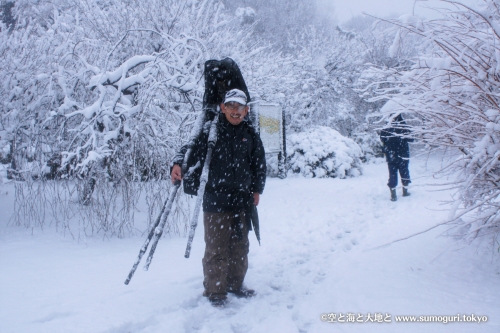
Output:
[[278, 21], [102, 94], [103, 90], [331, 71], [452, 93]]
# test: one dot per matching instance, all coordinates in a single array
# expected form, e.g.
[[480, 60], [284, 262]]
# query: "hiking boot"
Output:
[[217, 302], [405, 192], [242, 292], [394, 197]]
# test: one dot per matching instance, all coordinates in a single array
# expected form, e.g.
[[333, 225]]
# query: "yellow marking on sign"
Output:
[[270, 125]]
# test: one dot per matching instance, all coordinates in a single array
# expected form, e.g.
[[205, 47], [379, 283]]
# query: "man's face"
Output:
[[234, 112]]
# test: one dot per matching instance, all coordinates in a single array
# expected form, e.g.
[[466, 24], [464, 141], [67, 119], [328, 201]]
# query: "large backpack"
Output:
[[220, 77]]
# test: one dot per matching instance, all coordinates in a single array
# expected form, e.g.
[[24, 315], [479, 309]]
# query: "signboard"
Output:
[[269, 119], [271, 127]]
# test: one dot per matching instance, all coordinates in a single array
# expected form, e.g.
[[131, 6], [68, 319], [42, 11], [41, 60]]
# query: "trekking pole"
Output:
[[144, 247], [194, 135], [212, 139], [159, 230]]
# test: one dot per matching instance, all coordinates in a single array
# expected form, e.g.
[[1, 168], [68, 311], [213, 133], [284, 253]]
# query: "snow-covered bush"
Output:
[[276, 166], [323, 152], [370, 144], [246, 15], [452, 92]]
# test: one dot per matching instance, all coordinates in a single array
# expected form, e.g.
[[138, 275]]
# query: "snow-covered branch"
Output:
[[452, 92]]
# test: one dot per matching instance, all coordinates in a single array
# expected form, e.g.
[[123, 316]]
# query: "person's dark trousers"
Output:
[[404, 172], [226, 253]]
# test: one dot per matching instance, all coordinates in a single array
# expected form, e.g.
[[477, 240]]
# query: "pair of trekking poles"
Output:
[[157, 230]]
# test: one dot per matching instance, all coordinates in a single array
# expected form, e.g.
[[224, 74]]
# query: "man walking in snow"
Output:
[[236, 180], [397, 153]]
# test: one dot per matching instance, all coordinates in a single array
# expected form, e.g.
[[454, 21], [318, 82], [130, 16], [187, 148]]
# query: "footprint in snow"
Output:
[[319, 278], [54, 316]]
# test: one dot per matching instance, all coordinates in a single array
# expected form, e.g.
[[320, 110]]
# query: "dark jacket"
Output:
[[395, 140], [237, 169]]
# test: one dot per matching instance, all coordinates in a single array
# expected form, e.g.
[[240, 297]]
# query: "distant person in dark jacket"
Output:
[[236, 180], [397, 153]]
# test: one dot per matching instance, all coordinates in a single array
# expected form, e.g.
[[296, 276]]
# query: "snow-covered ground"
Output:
[[319, 255]]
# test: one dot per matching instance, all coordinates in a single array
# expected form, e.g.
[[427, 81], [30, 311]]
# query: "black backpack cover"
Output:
[[220, 77]]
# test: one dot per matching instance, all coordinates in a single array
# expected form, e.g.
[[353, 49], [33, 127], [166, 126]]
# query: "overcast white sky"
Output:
[[343, 10]]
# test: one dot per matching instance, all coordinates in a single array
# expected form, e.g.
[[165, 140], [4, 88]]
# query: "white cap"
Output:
[[236, 95]]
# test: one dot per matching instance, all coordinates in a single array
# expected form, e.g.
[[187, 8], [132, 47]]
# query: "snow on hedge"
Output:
[[323, 152]]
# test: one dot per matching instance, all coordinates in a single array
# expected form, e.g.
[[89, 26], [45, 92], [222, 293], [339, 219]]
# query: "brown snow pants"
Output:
[[226, 253]]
